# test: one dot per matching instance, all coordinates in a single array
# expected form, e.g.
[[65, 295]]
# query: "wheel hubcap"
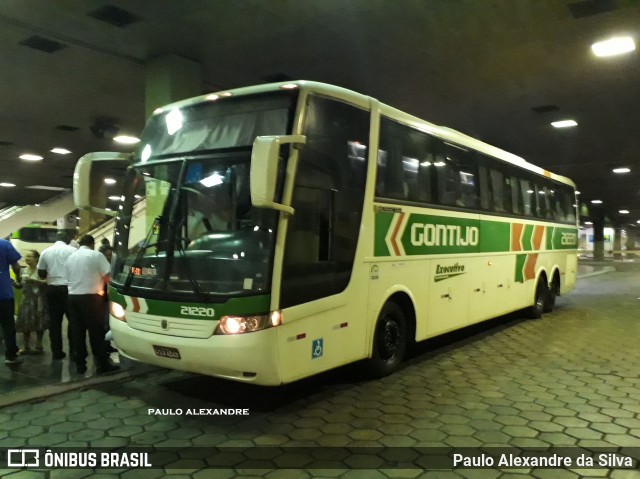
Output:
[[389, 339]]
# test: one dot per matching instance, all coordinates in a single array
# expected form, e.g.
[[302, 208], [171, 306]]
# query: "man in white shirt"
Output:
[[87, 271], [51, 266]]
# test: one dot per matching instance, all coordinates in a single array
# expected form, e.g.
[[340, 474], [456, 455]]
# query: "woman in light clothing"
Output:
[[32, 312]]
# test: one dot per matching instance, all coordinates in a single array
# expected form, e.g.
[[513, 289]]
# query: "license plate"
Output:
[[165, 352]]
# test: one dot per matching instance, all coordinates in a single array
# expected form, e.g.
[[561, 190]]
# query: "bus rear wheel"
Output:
[[389, 341], [540, 302], [553, 292]]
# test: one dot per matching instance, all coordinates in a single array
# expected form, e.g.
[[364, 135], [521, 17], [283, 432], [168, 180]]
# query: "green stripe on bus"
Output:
[[494, 236], [382, 223], [244, 305], [520, 261], [527, 233], [562, 238], [430, 234]]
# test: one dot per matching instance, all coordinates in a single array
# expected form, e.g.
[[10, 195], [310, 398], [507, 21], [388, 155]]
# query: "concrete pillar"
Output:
[[617, 242], [597, 217], [170, 78]]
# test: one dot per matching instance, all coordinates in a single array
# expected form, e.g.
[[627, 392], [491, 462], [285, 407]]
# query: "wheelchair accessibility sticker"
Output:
[[317, 346]]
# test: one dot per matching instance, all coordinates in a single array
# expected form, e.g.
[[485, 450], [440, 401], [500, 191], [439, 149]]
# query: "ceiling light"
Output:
[[564, 123], [7, 185], [126, 140], [624, 212], [48, 188], [30, 157], [60, 151], [596, 202], [621, 170], [613, 46], [114, 198], [109, 181]]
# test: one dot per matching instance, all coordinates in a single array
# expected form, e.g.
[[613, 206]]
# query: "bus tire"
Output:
[[552, 293], [540, 300], [389, 341]]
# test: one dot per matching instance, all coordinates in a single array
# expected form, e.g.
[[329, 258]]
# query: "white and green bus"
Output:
[[294, 228]]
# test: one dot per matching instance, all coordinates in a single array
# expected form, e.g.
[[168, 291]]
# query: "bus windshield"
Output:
[[203, 239]]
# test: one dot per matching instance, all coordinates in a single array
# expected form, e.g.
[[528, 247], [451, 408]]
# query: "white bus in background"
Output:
[[35, 236], [296, 227]]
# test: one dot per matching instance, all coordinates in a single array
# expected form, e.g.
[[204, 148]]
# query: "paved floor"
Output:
[[511, 385]]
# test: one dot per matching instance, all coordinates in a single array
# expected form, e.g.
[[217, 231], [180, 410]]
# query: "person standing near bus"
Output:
[[52, 267], [87, 271], [32, 312], [9, 258]]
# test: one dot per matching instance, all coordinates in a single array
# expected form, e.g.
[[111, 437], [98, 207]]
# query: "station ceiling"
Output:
[[497, 70]]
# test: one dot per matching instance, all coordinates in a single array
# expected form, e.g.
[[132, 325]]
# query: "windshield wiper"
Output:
[[145, 245], [187, 268]]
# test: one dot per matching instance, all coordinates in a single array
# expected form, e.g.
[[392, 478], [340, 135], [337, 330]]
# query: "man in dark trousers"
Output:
[[9, 258], [87, 271], [51, 265]]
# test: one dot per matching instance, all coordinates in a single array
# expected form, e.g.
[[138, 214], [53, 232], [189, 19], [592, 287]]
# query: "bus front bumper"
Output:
[[250, 357]]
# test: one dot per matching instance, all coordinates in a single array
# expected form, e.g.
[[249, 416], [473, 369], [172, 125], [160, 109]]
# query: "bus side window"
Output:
[[542, 207], [405, 158], [486, 195], [457, 178], [499, 190], [528, 197], [328, 197], [516, 195]]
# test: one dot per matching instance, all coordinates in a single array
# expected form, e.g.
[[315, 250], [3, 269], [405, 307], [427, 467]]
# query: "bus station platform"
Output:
[[569, 379]]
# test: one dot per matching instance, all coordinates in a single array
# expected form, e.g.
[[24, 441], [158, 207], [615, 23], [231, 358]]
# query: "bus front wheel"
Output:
[[540, 302], [389, 341]]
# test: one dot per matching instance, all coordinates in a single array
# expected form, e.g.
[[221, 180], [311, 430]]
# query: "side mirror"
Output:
[[264, 170], [89, 175]]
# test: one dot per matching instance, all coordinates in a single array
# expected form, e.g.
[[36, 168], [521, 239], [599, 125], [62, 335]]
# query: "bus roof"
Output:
[[364, 101]]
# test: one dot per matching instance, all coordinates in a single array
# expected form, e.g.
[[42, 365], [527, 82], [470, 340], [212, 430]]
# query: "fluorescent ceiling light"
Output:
[[126, 140], [60, 151], [613, 46], [624, 212], [564, 123], [30, 157], [596, 202], [7, 185], [109, 181], [48, 188], [621, 170]]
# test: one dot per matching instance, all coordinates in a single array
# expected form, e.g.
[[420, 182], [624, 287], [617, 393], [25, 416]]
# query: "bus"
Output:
[[34, 236], [292, 228]]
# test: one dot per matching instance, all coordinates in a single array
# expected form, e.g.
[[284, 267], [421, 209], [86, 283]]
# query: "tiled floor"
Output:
[[568, 380]]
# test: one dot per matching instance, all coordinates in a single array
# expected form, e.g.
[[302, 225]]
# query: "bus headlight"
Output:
[[117, 311], [248, 324]]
